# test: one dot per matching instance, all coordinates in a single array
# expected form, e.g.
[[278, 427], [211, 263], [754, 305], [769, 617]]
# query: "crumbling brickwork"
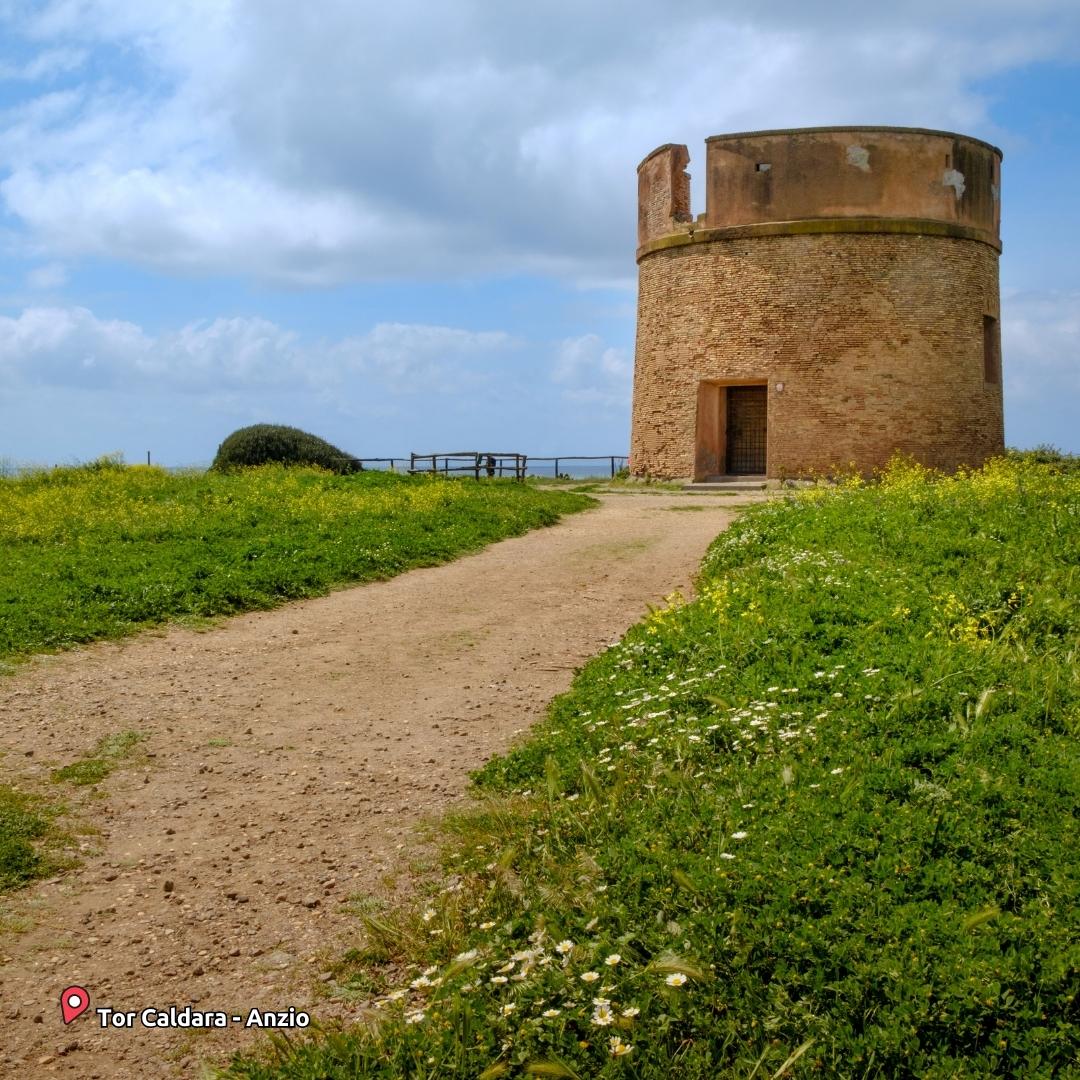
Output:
[[870, 332], [663, 192]]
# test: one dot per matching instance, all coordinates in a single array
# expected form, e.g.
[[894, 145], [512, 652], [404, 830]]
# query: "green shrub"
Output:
[[262, 444], [1045, 454]]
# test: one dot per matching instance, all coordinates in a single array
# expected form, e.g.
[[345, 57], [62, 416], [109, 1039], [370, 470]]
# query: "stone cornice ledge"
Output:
[[820, 226]]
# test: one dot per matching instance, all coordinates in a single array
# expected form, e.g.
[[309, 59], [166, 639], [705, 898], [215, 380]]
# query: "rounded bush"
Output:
[[264, 443]]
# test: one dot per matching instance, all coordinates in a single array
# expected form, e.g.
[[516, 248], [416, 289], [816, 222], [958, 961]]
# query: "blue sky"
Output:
[[412, 226]]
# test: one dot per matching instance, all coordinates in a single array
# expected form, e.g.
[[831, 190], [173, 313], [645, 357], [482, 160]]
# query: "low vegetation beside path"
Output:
[[102, 550], [821, 821]]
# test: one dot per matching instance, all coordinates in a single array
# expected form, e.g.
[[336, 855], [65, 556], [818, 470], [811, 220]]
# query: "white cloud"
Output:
[[422, 359], [72, 347], [198, 221], [1041, 344], [44, 65], [592, 372], [1041, 362], [76, 384], [49, 276], [344, 141]]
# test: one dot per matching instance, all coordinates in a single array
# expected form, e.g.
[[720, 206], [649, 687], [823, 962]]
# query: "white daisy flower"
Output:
[[603, 1016]]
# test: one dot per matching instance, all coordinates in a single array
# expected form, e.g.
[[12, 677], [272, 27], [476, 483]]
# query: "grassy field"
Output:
[[103, 550], [821, 821]]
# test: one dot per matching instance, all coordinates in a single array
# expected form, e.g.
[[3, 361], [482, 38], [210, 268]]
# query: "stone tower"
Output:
[[837, 302]]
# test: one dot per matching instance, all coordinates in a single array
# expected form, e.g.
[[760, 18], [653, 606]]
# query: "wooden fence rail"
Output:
[[470, 461], [486, 463], [615, 461], [391, 461]]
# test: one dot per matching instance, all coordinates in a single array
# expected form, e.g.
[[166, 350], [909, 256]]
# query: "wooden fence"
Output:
[[483, 463], [469, 461]]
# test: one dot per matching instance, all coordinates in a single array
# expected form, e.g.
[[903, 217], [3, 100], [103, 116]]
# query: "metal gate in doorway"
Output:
[[747, 424]]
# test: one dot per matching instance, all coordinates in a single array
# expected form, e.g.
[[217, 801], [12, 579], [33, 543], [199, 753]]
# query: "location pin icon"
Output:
[[74, 1001]]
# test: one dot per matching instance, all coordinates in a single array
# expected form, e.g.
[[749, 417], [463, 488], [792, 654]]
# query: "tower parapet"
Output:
[[663, 193]]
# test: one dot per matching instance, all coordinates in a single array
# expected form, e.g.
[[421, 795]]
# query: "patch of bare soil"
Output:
[[288, 758]]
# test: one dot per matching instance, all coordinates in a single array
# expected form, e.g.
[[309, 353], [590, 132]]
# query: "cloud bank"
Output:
[[331, 142], [396, 388], [52, 346]]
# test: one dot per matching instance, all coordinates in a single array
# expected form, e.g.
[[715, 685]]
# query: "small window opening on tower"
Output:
[[763, 166], [991, 350]]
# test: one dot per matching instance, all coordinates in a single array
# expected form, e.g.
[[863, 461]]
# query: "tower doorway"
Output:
[[732, 430], [747, 425]]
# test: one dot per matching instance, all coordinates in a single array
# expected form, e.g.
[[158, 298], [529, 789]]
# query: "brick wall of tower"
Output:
[[878, 341]]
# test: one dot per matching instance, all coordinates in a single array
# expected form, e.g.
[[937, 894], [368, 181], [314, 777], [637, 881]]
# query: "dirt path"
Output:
[[289, 755]]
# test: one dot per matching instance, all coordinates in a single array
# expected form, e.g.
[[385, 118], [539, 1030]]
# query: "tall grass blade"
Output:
[[592, 785], [685, 881], [554, 1069], [793, 1057], [551, 776], [670, 963], [987, 914]]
